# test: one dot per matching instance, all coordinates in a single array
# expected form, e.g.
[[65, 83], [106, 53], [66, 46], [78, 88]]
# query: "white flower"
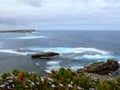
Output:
[[16, 77], [79, 88], [0, 78], [8, 87], [37, 83], [70, 85], [61, 84], [29, 80], [10, 80], [91, 89], [26, 86], [50, 79], [13, 85], [32, 83], [6, 83], [42, 79], [3, 85], [53, 85], [71, 82], [9, 77]]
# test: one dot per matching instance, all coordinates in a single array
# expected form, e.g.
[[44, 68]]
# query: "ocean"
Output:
[[76, 48]]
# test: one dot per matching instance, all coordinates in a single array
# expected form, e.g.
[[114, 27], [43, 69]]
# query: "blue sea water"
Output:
[[76, 48]]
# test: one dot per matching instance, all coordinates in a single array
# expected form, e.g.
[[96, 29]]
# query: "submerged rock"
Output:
[[103, 68], [46, 55]]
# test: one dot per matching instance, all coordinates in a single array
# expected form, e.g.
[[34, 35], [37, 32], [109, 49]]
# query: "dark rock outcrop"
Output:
[[103, 68], [18, 31], [46, 55]]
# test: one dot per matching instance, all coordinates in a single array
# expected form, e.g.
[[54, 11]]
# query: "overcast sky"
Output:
[[60, 14]]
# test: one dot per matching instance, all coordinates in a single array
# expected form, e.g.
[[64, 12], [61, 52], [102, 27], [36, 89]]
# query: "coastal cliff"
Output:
[[18, 31]]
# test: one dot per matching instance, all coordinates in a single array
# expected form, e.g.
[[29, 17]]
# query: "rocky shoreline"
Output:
[[18, 31], [108, 70], [91, 77], [109, 67], [102, 68]]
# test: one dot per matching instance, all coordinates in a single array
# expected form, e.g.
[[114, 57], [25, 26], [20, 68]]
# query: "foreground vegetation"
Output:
[[64, 79]]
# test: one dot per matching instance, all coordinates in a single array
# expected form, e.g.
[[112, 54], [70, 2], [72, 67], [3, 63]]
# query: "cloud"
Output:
[[35, 3], [48, 14]]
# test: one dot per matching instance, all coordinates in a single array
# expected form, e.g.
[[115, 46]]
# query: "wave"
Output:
[[66, 52], [53, 62], [55, 65], [48, 69], [77, 53], [76, 67], [37, 64], [52, 65], [97, 56], [31, 37], [10, 51], [71, 50]]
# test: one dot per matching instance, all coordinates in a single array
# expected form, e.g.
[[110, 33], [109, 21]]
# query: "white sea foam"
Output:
[[77, 53], [31, 37], [76, 67], [78, 57], [71, 50], [57, 67], [97, 56], [15, 52], [37, 64], [52, 65], [119, 62], [53, 62]]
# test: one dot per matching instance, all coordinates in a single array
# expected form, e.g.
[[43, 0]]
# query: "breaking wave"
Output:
[[77, 53], [71, 50], [52, 65], [66, 52], [15, 52], [31, 37], [55, 65], [76, 67]]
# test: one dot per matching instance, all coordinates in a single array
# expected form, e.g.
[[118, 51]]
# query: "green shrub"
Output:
[[5, 75], [95, 63], [64, 79], [118, 79], [15, 72]]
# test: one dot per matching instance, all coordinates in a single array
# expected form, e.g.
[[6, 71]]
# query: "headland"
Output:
[[18, 31]]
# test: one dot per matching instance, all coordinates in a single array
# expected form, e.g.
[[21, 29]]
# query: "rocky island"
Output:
[[18, 31], [45, 55]]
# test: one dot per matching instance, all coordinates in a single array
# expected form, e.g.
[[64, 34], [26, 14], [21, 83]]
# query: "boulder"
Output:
[[46, 55], [103, 68]]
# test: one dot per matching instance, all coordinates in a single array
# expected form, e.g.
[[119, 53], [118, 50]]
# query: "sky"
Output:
[[60, 14]]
